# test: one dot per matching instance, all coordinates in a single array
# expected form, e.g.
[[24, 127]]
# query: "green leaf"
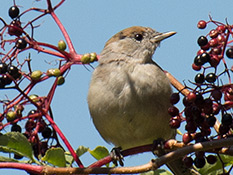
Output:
[[15, 142], [6, 159], [217, 167], [55, 156], [81, 150], [99, 152], [157, 172]]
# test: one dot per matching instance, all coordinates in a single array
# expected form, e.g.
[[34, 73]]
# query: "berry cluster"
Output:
[[36, 128], [200, 160], [8, 74], [207, 106]]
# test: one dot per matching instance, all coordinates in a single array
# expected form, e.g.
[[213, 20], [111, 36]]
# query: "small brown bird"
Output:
[[129, 93]]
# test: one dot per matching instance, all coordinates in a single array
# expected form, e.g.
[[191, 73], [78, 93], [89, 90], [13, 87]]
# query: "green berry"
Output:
[[60, 80], [93, 57], [54, 72], [10, 116], [34, 97], [61, 45], [86, 58], [35, 75]]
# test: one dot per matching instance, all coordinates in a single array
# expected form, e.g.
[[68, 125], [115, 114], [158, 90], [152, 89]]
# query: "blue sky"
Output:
[[90, 24]]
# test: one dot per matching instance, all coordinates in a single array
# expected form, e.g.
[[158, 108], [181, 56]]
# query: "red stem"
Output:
[[64, 32], [66, 142]]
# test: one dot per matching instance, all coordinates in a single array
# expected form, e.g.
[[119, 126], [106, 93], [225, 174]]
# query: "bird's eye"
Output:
[[138, 37]]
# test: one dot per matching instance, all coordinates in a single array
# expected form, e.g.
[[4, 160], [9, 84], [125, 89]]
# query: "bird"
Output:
[[129, 93]]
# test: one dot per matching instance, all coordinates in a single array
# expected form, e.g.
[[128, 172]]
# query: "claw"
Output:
[[117, 156], [158, 147]]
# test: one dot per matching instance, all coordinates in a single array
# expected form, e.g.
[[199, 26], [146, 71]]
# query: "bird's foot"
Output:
[[117, 156], [158, 147]]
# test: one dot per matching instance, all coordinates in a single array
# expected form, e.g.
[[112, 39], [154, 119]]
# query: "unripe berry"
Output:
[[10, 116], [213, 33], [86, 58], [221, 29], [35, 75], [201, 24], [93, 57], [53, 72], [60, 80], [61, 45], [186, 138], [34, 97], [195, 67]]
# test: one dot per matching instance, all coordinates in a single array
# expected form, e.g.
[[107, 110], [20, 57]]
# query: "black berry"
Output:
[[229, 53], [199, 78], [199, 162], [211, 120], [188, 162], [12, 70], [3, 68], [21, 43], [173, 111], [5, 79], [32, 112], [226, 119], [175, 97], [202, 41], [211, 159], [46, 133], [13, 12], [16, 128], [211, 78]]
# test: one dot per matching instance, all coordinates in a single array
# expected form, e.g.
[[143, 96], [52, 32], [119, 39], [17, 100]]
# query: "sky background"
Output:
[[90, 24]]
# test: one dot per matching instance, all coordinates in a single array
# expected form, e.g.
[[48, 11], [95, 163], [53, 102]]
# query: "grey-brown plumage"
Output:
[[129, 93]]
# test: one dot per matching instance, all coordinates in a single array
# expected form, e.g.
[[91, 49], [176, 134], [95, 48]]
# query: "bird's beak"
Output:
[[161, 36]]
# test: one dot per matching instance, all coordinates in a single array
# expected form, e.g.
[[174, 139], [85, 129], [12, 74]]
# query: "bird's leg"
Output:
[[117, 156], [158, 147]]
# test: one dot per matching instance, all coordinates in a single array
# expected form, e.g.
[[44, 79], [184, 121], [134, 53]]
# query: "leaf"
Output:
[[217, 167], [81, 150], [99, 152], [55, 156], [15, 142], [157, 172], [6, 159]]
